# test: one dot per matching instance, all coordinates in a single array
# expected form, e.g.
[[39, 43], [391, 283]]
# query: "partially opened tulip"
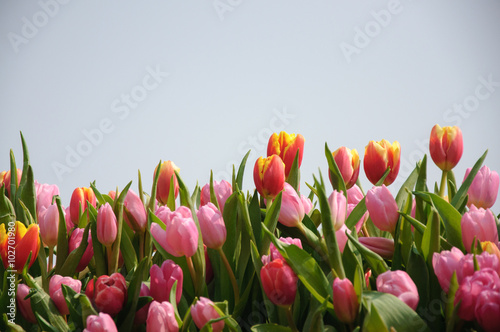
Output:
[[161, 317], [110, 293], [279, 282], [467, 264], [167, 174], [203, 311], [222, 190], [80, 199], [345, 300], [269, 176], [106, 225], [445, 264], [163, 279], [378, 157], [286, 146], [446, 146], [399, 284], [100, 323], [348, 163], [478, 225], [306, 203], [487, 310], [20, 240], [483, 190], [292, 210], [213, 228], [56, 293], [382, 208]]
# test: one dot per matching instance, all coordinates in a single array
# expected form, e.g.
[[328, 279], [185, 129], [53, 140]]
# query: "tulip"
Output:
[[222, 192], [80, 199], [49, 225], [203, 311], [161, 317], [279, 282], [213, 229], [25, 305], [483, 190], [134, 212], [74, 242], [467, 293], [446, 146], [444, 264], [6, 180], [163, 279], [378, 157], [348, 163], [56, 293], [399, 284], [292, 210], [487, 310], [142, 314], [338, 209], [67, 218], [180, 238], [275, 254], [20, 240], [110, 293], [286, 145], [100, 323], [380, 245], [485, 260], [89, 290], [345, 300], [354, 195], [106, 225], [269, 176], [44, 195], [361, 221], [478, 224], [342, 237], [306, 203], [491, 248], [382, 208], [167, 172]]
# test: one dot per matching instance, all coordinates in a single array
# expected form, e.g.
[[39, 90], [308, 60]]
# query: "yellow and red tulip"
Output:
[[269, 176], [79, 202], [378, 157], [16, 245], [286, 145], [348, 163], [446, 146], [167, 171]]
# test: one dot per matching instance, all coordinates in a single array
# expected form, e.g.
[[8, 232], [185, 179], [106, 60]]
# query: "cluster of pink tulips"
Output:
[[280, 257]]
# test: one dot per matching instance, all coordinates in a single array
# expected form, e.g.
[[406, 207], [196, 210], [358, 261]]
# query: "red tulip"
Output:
[[269, 176], [446, 146], [167, 173], [110, 293], [286, 145], [279, 282], [345, 300], [378, 157], [80, 199]]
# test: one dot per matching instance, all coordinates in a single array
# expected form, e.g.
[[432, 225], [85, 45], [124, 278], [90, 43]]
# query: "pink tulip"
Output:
[[213, 228], [69, 223], [444, 264], [361, 221], [162, 280], [292, 211], [56, 293], [134, 212], [348, 163], [487, 310], [342, 237], [306, 203], [275, 254], [485, 260], [25, 305], [354, 195], [167, 174], [345, 300], [180, 238], [380, 245], [483, 190], [100, 323], [110, 293], [338, 207], [49, 225], [106, 225], [478, 224], [161, 317], [382, 208], [44, 195], [222, 192], [399, 284], [74, 242], [279, 282], [142, 314], [203, 311]]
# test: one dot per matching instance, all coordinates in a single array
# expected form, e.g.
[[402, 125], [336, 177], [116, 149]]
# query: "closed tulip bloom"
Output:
[[203, 311], [49, 225], [213, 228], [74, 242], [44, 195], [110, 293], [269, 176], [292, 210], [222, 192], [56, 293], [342, 237], [378, 157], [483, 190], [354, 195], [286, 145], [485, 260], [106, 225], [380, 245], [167, 174], [142, 314], [399, 284], [180, 238], [446, 146], [306, 203], [163, 279], [161, 317], [80, 199], [100, 323], [345, 300], [338, 209], [479, 224], [134, 212], [487, 310], [348, 163], [25, 305], [279, 282], [382, 208], [444, 264], [22, 241], [7, 177]]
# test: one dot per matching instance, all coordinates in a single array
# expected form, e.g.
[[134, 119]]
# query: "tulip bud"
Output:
[[6, 180], [285, 146], [382, 208], [203, 311], [161, 317], [56, 293], [22, 242], [134, 212], [80, 199], [275, 254], [487, 310], [378, 157], [292, 210], [399, 284], [222, 192], [25, 305], [180, 238], [479, 224], [106, 225], [74, 242], [167, 172], [483, 189], [213, 229], [348, 163], [306, 203], [44, 195], [383, 246], [142, 314], [269, 176], [279, 282], [163, 279], [444, 264], [338, 206], [446, 146], [110, 293], [100, 323], [345, 300], [49, 225]]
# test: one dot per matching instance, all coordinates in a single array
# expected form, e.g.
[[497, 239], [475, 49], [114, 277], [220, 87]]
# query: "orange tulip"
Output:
[[80, 197], [348, 164], [6, 180], [446, 146], [378, 157], [286, 145], [167, 169], [269, 176], [16, 243]]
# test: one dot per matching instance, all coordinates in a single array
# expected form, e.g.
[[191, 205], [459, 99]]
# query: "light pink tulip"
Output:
[[345, 300], [342, 237], [107, 227], [292, 211], [338, 207], [203, 311], [222, 192], [213, 228], [49, 225], [306, 203], [479, 224], [487, 310], [25, 305], [484, 188], [161, 317], [100, 323], [399, 284], [380, 245], [444, 264], [44, 195], [134, 212], [163, 279], [56, 293], [354, 195], [382, 208]]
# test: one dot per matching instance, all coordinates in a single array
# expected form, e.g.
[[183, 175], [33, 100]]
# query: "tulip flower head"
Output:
[[269, 176], [348, 163], [6, 180], [378, 157], [446, 146], [286, 146], [338, 209], [163, 279], [292, 209], [107, 225], [161, 317], [56, 293], [478, 224], [345, 300], [213, 228], [49, 225], [80, 199], [21, 240], [167, 174], [100, 323], [74, 242], [487, 310], [444, 264], [279, 282], [44, 195], [466, 265], [110, 293], [382, 208], [483, 190], [134, 212], [383, 246], [399, 284], [222, 190], [25, 305], [203, 311]]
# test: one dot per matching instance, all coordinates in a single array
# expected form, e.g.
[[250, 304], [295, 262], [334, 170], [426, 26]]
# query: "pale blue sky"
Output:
[[201, 82]]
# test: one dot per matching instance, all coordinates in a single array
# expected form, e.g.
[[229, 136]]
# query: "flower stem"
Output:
[[51, 258], [141, 246], [231, 276], [192, 272], [444, 177], [289, 316]]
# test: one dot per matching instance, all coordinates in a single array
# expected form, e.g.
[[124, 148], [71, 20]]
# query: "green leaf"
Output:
[[377, 263], [213, 197], [373, 322], [7, 213], [62, 237], [294, 176], [241, 171], [101, 268], [270, 328], [417, 270], [99, 197], [152, 199], [69, 266], [461, 194], [271, 221], [26, 193], [430, 241], [356, 214], [335, 176], [74, 306], [127, 251]]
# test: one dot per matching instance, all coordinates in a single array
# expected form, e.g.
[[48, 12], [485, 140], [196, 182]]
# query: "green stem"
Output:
[[51, 257], [110, 259], [444, 177], [231, 276], [289, 316], [141, 246], [193, 274]]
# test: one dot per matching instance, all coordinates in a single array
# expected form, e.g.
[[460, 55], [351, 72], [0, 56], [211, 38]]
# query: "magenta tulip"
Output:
[[161, 317], [292, 211], [338, 209], [49, 225], [203, 311], [74, 242], [444, 264], [106, 225], [222, 192], [56, 293], [483, 190], [345, 300], [380, 245], [382, 208], [25, 305], [163, 279], [399, 284], [134, 212], [279, 282], [110, 293], [213, 228], [100, 323], [478, 224], [487, 310]]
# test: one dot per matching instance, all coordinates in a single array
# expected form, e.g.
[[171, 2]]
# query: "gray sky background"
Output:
[[101, 90]]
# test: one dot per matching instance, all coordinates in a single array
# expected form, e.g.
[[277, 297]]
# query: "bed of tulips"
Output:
[[326, 257]]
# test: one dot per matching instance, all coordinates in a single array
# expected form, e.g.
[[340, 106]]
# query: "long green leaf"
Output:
[[241, 171], [335, 176], [461, 194]]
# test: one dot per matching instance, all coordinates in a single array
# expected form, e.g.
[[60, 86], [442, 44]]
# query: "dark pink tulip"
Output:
[[292, 210], [382, 208], [48, 221], [345, 300], [100, 323], [56, 293], [212, 226], [380, 245], [74, 242], [134, 212], [487, 310], [483, 190], [161, 317], [222, 192], [107, 225], [485, 260], [110, 293], [162, 280], [203, 311], [444, 264], [399, 284], [44, 195], [142, 314], [338, 209], [479, 224], [279, 282], [25, 305]]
